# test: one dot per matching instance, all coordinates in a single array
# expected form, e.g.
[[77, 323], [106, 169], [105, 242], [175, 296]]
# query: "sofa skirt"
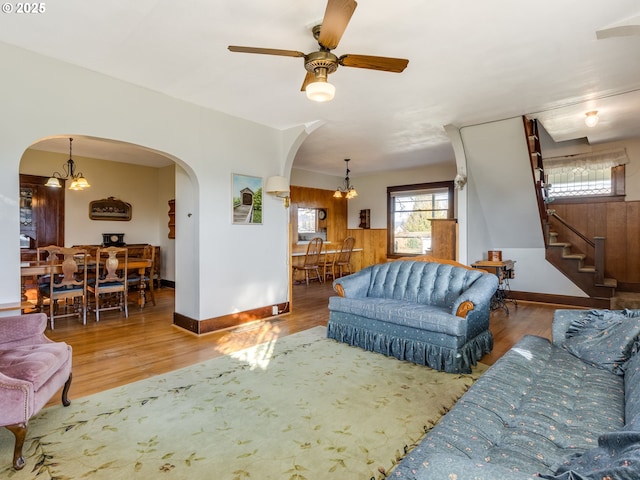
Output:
[[436, 350]]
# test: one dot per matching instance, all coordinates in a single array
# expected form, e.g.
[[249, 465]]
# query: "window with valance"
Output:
[[586, 175]]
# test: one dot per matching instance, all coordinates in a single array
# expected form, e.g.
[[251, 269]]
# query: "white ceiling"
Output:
[[469, 62]]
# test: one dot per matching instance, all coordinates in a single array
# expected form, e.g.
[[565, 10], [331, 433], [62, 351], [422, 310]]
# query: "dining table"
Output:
[[35, 268], [140, 264]]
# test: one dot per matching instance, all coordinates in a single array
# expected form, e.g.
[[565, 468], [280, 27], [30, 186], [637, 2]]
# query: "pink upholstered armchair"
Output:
[[32, 369]]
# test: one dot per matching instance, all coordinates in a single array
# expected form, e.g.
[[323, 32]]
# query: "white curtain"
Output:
[[587, 161]]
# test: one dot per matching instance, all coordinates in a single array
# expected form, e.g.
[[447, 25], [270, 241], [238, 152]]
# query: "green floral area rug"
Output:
[[297, 407]]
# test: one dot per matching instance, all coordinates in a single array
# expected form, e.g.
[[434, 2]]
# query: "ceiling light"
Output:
[[320, 90], [591, 119], [78, 181], [348, 189]]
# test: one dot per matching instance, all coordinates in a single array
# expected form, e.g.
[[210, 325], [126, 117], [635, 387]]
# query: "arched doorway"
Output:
[[139, 176]]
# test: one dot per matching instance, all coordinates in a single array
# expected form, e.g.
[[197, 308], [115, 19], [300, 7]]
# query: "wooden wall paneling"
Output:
[[375, 246], [444, 238], [632, 253], [596, 227], [304, 197], [577, 218], [357, 261], [615, 262], [618, 222]]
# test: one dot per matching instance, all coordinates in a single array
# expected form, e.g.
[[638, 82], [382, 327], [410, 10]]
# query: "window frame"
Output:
[[618, 190], [449, 185]]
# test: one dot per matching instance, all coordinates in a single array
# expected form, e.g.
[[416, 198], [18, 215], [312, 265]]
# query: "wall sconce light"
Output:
[[347, 188], [279, 187], [78, 181], [591, 119]]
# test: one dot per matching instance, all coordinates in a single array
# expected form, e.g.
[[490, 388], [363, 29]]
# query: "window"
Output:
[[410, 208], [312, 222], [307, 222], [599, 174]]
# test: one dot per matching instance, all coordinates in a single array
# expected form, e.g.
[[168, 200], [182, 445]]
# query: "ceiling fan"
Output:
[[322, 63]]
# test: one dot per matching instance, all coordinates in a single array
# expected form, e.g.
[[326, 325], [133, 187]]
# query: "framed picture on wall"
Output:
[[110, 209], [246, 201]]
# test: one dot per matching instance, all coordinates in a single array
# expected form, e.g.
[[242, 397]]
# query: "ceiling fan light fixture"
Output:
[[591, 119], [321, 91]]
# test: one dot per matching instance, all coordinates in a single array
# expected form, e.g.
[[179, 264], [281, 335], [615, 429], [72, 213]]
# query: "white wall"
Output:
[[372, 189], [134, 184], [304, 178], [503, 213], [220, 268], [166, 191]]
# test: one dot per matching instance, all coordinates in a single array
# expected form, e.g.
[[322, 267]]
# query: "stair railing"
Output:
[[597, 244]]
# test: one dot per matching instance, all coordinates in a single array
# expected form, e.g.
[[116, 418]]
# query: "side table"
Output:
[[504, 270]]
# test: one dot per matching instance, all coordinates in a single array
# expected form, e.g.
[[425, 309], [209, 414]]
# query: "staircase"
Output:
[[589, 278], [572, 265]]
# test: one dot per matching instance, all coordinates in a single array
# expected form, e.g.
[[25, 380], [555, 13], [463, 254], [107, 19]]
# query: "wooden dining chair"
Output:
[[311, 260], [66, 285], [341, 261], [110, 281]]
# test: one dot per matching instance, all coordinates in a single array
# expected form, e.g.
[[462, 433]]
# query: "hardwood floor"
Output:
[[117, 350]]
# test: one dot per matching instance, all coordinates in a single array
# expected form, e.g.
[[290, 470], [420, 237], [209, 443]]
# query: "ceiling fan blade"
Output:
[[307, 80], [385, 64], [266, 51], [336, 19]]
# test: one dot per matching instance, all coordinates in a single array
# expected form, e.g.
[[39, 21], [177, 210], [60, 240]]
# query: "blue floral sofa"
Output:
[[563, 410], [428, 313]]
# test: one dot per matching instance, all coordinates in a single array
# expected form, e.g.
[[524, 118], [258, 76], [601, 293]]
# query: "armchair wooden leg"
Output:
[[65, 391], [19, 430]]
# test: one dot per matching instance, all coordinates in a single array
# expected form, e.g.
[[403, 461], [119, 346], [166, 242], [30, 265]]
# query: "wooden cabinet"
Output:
[[444, 242], [41, 215]]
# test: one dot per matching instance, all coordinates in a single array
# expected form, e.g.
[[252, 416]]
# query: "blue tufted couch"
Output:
[[564, 410], [428, 313]]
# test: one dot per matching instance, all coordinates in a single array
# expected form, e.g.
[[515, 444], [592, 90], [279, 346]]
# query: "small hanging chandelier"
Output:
[[348, 189], [78, 181]]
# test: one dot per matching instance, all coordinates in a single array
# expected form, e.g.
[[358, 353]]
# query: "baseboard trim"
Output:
[[591, 302], [628, 287], [209, 325]]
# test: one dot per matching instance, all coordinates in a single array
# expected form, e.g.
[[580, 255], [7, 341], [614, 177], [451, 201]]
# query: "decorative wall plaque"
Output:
[[109, 209]]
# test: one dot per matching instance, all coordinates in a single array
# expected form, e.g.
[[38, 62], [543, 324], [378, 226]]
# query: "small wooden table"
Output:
[[504, 270]]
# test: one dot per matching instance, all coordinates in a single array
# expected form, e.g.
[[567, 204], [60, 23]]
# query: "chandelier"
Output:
[[78, 182], [347, 189]]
